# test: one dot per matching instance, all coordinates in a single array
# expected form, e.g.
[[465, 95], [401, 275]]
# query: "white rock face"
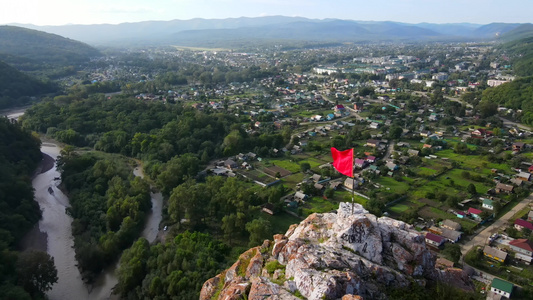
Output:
[[334, 254]]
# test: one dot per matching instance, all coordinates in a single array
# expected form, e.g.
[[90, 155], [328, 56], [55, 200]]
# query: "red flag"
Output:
[[343, 161]]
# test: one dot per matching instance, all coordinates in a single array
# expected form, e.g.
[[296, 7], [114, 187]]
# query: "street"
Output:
[[481, 238]]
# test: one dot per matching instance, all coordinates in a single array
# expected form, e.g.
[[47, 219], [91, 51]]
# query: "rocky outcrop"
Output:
[[348, 255]]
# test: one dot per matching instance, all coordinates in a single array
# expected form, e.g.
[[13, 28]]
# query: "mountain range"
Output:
[[202, 32]]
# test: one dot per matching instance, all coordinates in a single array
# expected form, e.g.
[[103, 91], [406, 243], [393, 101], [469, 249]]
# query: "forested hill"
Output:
[[26, 48], [517, 95], [521, 53], [16, 88], [19, 155]]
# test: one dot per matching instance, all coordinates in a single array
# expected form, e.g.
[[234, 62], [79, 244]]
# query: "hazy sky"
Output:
[[60, 12]]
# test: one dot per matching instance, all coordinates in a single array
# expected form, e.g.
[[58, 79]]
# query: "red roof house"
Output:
[[474, 211], [521, 224], [434, 239], [523, 249]]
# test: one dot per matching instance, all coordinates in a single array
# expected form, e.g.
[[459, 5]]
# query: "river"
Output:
[[54, 233]]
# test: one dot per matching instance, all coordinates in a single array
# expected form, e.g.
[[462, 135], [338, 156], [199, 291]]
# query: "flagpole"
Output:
[[353, 185]]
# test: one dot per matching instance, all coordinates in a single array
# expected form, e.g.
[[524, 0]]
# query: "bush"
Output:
[[272, 266]]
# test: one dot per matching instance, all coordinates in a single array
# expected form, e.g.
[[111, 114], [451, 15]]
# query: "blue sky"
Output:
[[60, 12]]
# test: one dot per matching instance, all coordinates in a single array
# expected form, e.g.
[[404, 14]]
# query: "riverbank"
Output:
[[35, 239]]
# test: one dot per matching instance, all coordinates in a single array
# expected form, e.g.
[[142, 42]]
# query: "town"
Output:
[[428, 150], [437, 143]]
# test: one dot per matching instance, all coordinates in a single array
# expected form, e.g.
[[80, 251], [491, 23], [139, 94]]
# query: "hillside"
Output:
[[520, 50], [29, 49], [520, 32], [16, 87], [334, 255]]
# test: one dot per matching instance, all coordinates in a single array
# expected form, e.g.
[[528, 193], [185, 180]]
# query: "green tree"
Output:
[[229, 226], [487, 108], [132, 266], [259, 229], [395, 132], [452, 252], [36, 272], [305, 166], [471, 188]]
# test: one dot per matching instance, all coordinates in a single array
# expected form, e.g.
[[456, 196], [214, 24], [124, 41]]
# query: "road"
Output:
[[514, 124], [482, 237]]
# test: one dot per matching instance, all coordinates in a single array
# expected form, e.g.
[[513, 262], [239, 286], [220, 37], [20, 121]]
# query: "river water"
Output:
[[56, 226]]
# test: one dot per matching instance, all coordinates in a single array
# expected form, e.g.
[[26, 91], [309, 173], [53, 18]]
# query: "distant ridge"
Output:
[[198, 32]]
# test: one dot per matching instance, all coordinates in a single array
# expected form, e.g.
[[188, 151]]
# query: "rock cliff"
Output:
[[341, 255]]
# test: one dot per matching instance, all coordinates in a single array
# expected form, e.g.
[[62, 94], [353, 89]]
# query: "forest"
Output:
[[108, 205], [515, 95], [19, 276], [17, 88]]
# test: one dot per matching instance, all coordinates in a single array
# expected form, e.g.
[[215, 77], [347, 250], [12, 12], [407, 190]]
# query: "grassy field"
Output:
[[393, 185], [423, 171], [399, 208], [292, 180], [287, 165], [473, 162]]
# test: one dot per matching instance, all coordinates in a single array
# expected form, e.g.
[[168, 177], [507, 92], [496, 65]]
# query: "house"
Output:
[[371, 159], [480, 132], [460, 214], [475, 213], [360, 163], [524, 176], [339, 108], [412, 152], [268, 208], [392, 166], [334, 184], [434, 240], [495, 254], [516, 181], [487, 204], [449, 224], [504, 188], [230, 164], [435, 230], [452, 236], [530, 216], [501, 287], [316, 177], [299, 196], [330, 117], [372, 143], [374, 125], [319, 186], [358, 106], [518, 146], [349, 183], [425, 133], [520, 224], [523, 249], [530, 169]]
